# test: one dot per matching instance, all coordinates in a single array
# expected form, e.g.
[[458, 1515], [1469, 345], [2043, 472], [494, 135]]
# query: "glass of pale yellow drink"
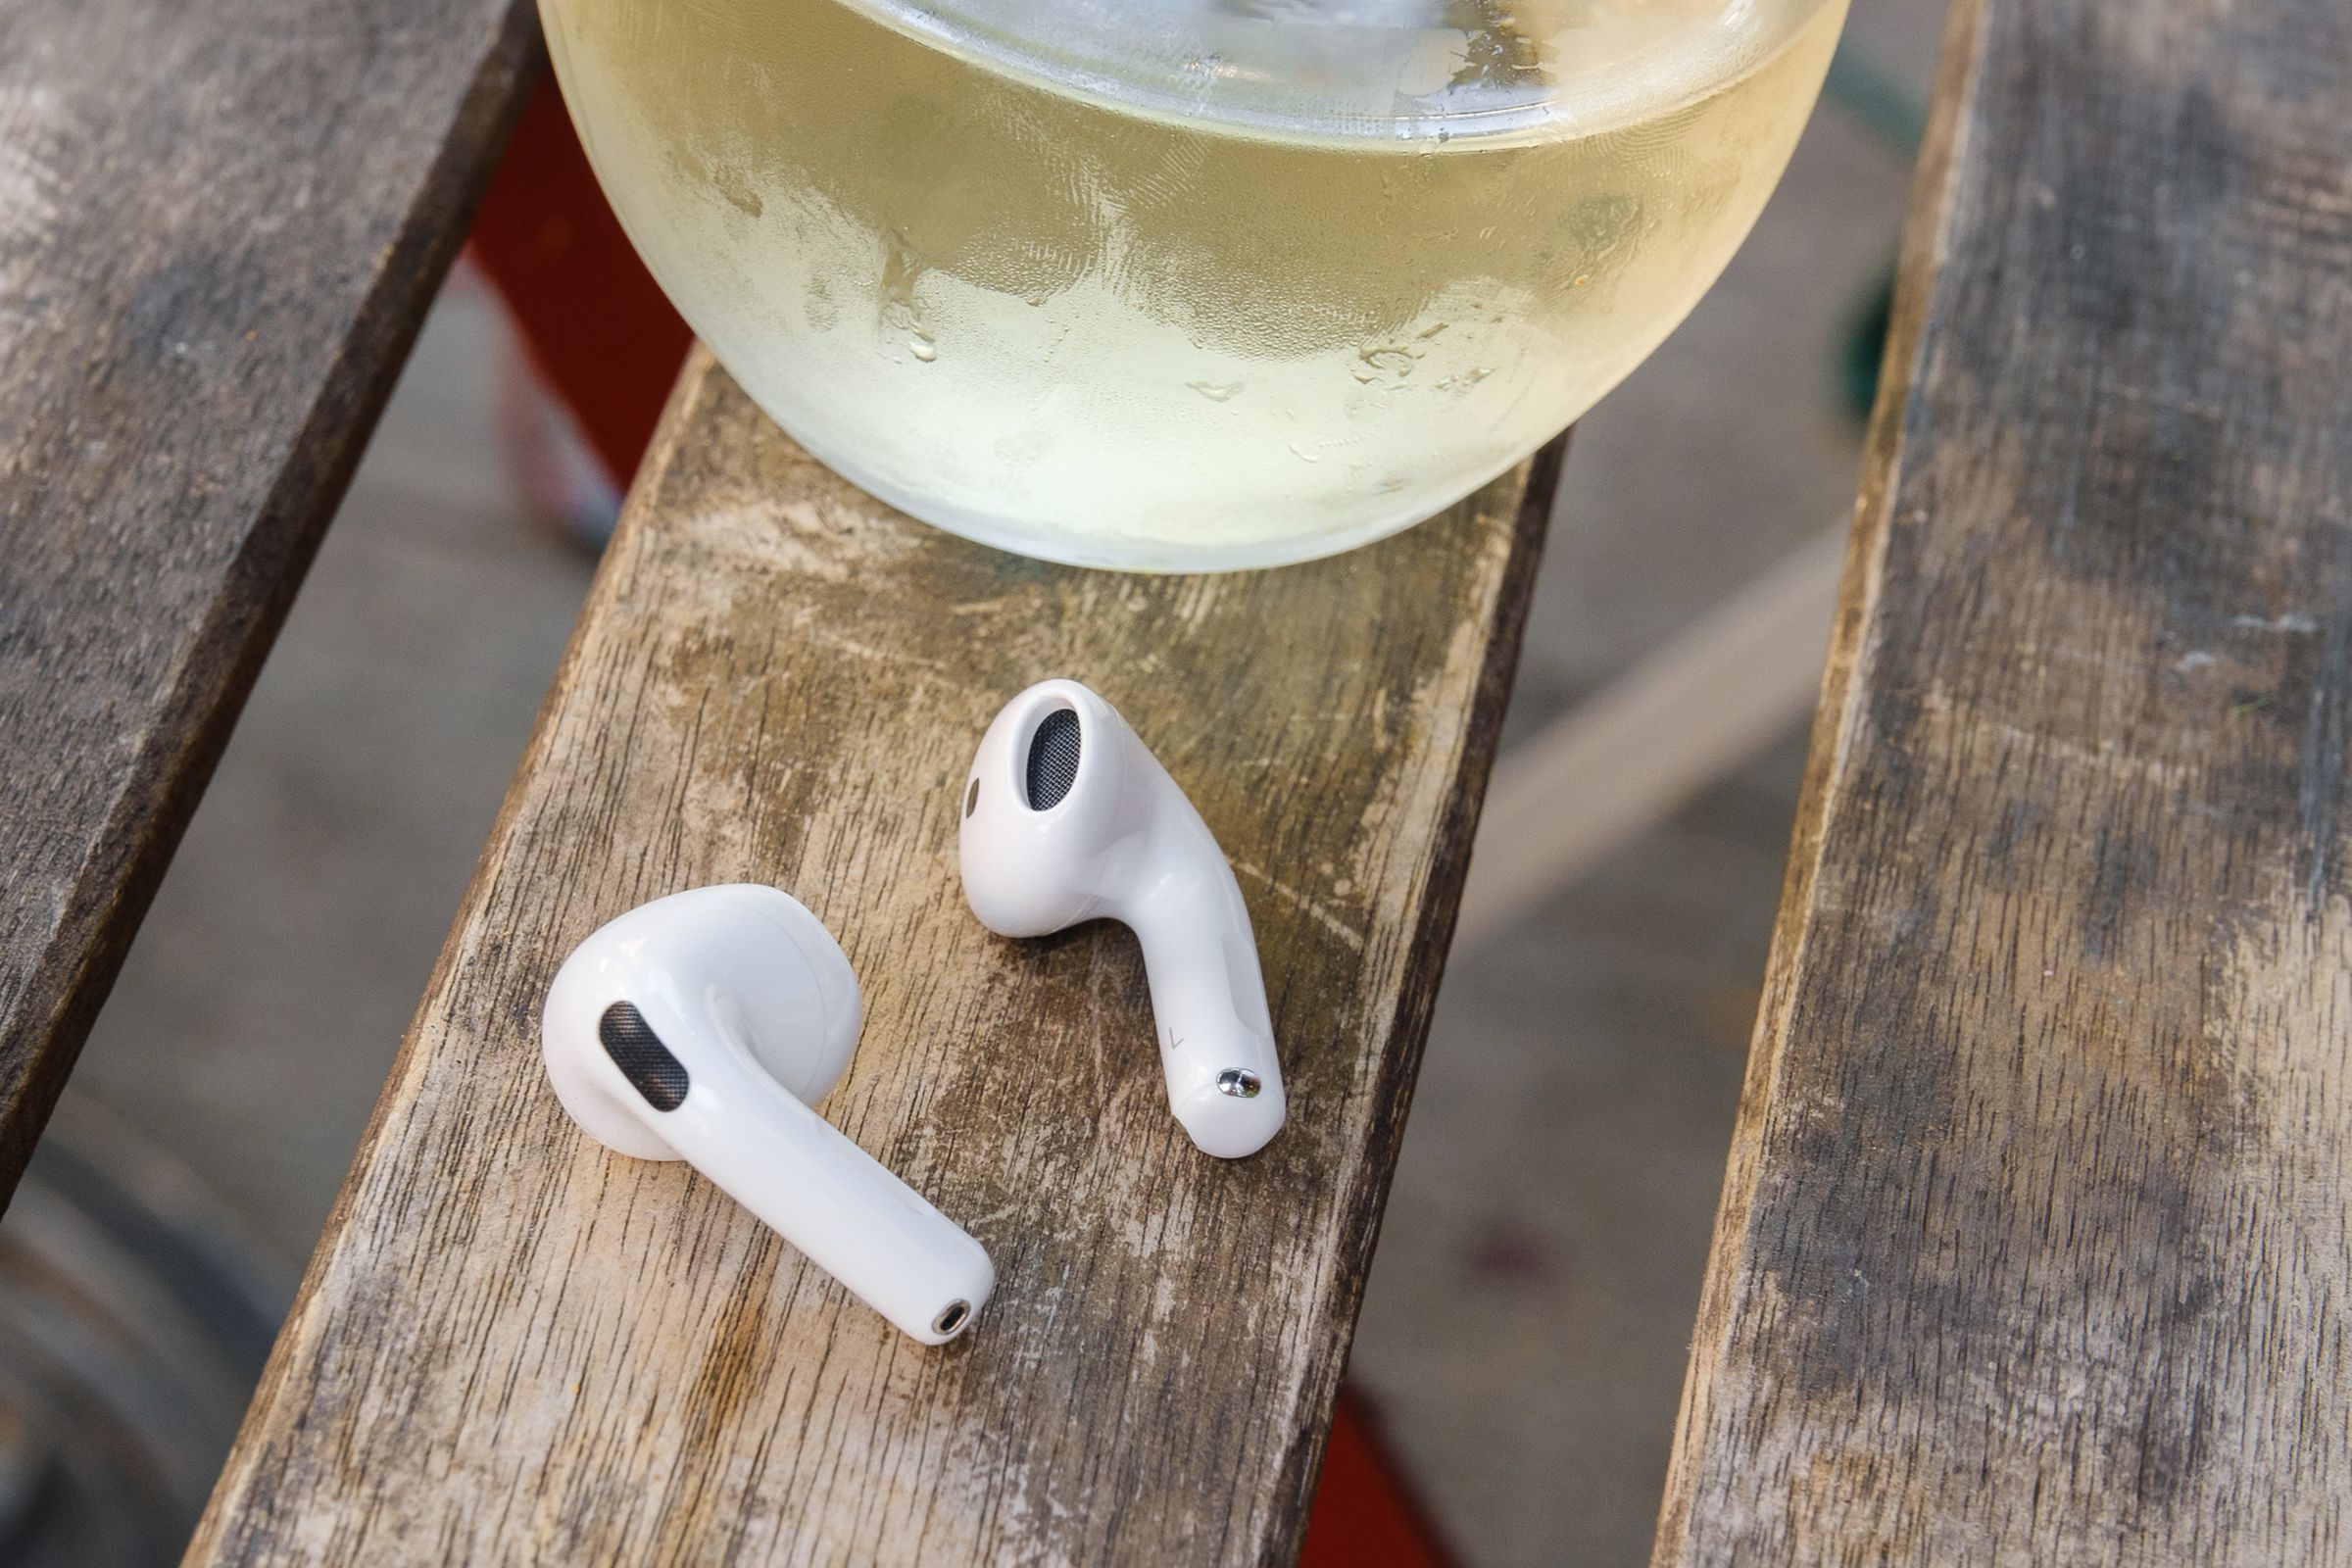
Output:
[[1185, 284]]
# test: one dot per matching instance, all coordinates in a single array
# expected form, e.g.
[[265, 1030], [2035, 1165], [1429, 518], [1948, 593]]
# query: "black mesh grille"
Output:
[[1053, 759], [642, 1057]]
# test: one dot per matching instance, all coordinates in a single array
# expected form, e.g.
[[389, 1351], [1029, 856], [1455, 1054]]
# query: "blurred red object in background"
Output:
[[591, 320]]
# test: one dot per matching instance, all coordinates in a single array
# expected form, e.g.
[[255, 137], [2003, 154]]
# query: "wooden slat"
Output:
[[2034, 1247], [220, 226], [514, 1347]]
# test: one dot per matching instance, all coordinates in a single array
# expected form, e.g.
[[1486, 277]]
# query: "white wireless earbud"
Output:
[[702, 1027], [1067, 817]]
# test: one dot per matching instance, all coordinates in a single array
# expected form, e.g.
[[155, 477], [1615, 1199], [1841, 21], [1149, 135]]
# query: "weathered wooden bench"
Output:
[[2038, 1231], [2034, 1239]]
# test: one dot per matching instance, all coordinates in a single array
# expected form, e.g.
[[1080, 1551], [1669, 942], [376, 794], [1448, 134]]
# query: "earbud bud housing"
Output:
[[1067, 817]]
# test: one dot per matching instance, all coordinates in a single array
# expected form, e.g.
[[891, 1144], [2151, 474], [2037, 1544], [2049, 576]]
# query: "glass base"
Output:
[[1157, 557]]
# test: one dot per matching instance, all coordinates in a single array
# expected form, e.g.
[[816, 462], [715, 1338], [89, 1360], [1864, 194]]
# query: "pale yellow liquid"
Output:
[[1126, 338]]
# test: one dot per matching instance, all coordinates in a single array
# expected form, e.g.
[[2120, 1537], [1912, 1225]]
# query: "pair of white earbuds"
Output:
[[704, 1027]]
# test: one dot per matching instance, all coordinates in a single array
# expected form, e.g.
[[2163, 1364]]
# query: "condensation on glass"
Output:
[[1189, 284]]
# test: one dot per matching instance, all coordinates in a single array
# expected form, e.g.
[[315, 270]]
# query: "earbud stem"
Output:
[[830, 1199], [1216, 1038]]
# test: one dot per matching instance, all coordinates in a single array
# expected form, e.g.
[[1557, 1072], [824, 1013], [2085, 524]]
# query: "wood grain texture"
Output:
[[2036, 1242], [219, 227], [514, 1346]]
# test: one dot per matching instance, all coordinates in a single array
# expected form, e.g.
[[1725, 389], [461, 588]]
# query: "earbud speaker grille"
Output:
[[642, 1057], [1053, 759]]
